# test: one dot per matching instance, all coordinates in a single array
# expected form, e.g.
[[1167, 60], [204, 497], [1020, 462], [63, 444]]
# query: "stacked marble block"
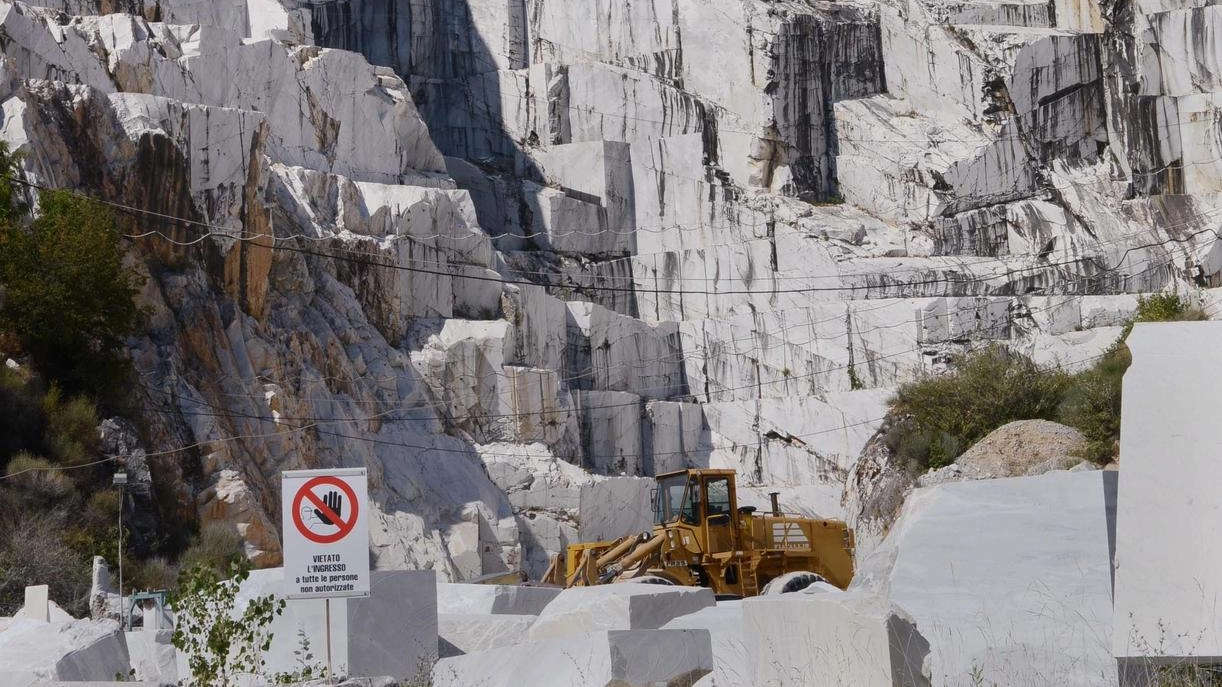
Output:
[[947, 598], [1172, 149], [1167, 551], [607, 635], [588, 383]]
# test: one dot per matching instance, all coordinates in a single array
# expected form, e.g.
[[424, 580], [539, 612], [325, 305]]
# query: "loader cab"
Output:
[[676, 499], [703, 500]]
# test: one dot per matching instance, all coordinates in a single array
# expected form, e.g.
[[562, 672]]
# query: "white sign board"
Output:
[[326, 533]]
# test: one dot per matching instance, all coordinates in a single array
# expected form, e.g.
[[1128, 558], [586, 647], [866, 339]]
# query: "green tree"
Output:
[[67, 295], [221, 643]]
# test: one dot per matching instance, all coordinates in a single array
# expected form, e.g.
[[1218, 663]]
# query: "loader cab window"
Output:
[[690, 512], [677, 498], [668, 499], [718, 499]]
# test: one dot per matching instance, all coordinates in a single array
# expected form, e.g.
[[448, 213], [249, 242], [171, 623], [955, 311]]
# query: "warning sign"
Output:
[[326, 533]]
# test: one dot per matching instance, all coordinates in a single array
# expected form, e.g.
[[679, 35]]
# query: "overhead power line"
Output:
[[1010, 273]]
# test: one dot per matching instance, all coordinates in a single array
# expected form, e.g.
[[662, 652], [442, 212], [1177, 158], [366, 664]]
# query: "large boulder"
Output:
[[493, 599], [1168, 514], [1008, 580], [832, 638], [468, 633], [581, 610], [153, 655], [875, 490], [725, 625], [636, 658], [34, 652], [1025, 447]]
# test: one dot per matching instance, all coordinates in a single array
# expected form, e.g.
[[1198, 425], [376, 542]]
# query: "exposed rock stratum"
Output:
[[493, 251]]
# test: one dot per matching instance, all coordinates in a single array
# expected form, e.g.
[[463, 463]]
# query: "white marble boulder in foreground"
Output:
[[725, 625], [636, 658], [831, 638], [1009, 579], [493, 599], [468, 633], [153, 655], [1168, 516], [581, 610], [33, 652]]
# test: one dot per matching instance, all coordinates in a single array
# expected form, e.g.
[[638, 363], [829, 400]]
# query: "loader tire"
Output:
[[791, 582]]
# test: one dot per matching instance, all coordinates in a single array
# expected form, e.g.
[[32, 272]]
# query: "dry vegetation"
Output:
[[940, 416]]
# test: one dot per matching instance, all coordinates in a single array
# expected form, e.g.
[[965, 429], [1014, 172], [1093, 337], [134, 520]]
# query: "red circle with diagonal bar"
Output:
[[343, 526]]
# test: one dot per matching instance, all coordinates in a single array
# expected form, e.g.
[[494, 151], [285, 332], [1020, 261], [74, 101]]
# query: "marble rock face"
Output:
[[616, 507], [491, 251]]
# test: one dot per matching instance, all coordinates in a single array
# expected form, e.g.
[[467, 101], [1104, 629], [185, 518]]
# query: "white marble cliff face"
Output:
[[486, 249]]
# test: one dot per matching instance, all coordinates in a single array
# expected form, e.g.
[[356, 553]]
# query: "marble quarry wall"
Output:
[[498, 251]]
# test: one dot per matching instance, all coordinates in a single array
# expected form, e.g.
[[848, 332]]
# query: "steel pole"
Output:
[[123, 620]]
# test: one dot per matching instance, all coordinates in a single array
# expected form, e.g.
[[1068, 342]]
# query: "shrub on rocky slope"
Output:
[[1092, 402], [941, 416], [945, 414], [66, 307]]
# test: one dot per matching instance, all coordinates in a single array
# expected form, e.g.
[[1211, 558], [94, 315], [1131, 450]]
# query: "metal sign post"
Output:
[[326, 537], [120, 481]]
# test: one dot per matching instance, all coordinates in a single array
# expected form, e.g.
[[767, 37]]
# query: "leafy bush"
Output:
[[218, 546], [94, 531], [308, 668], [942, 415], [20, 413], [71, 427], [221, 644], [1092, 403], [154, 573], [1163, 307]]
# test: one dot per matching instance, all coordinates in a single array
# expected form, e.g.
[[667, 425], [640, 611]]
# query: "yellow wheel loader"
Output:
[[702, 537]]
